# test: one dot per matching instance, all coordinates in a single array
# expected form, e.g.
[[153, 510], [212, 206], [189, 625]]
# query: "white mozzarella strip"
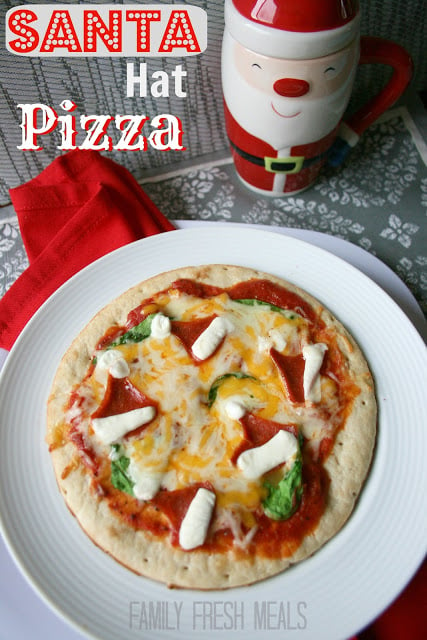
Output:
[[113, 361], [273, 339], [194, 526], [106, 359], [313, 355], [235, 407], [146, 483], [160, 326], [256, 461], [112, 428], [119, 368], [211, 337]]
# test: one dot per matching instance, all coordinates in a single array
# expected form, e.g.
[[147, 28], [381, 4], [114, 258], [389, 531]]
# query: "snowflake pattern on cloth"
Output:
[[13, 258]]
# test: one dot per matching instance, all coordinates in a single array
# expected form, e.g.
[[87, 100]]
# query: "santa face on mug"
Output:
[[287, 74], [288, 102], [288, 68], [284, 109]]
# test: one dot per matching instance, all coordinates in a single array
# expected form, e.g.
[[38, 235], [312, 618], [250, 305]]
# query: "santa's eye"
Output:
[[330, 70], [256, 65]]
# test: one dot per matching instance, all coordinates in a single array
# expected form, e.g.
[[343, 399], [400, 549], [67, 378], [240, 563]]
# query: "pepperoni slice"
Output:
[[291, 370], [110, 336], [257, 288], [258, 431], [136, 316], [121, 396], [174, 505], [197, 289], [188, 332], [274, 294]]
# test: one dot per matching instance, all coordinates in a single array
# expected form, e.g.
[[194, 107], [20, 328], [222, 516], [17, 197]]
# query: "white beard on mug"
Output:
[[253, 110], [281, 121]]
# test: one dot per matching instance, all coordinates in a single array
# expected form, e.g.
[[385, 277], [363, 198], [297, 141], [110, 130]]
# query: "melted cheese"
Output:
[[190, 442]]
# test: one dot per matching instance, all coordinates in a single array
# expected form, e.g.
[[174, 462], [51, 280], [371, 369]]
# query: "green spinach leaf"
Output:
[[138, 333], [119, 476], [284, 499], [252, 302]]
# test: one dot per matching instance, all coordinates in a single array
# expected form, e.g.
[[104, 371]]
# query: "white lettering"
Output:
[[40, 120], [131, 140], [30, 130], [159, 87], [169, 133], [132, 80], [96, 139]]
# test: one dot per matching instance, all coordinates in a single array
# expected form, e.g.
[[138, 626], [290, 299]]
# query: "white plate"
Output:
[[331, 595]]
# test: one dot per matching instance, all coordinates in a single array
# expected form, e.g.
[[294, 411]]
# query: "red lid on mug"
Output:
[[295, 29]]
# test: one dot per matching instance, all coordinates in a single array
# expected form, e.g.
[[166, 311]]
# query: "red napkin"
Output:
[[79, 208]]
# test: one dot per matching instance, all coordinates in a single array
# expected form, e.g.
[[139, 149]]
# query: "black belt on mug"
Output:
[[291, 164]]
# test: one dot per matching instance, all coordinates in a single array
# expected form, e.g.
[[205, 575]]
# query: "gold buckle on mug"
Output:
[[289, 165]]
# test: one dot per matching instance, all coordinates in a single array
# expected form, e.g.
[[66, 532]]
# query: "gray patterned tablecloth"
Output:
[[377, 201]]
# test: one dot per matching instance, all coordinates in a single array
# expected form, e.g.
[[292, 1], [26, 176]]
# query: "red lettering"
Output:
[[94, 27], [179, 33], [143, 20], [28, 37], [60, 33]]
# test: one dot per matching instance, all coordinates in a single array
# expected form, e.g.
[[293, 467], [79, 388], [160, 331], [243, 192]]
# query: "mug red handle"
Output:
[[379, 51]]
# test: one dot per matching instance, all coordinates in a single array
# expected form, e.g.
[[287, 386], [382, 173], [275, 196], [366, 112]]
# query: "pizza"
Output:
[[212, 426]]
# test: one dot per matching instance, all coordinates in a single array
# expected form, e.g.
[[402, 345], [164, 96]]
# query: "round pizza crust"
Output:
[[347, 465]]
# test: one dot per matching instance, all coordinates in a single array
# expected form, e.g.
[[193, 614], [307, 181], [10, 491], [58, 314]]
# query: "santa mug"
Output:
[[288, 68]]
